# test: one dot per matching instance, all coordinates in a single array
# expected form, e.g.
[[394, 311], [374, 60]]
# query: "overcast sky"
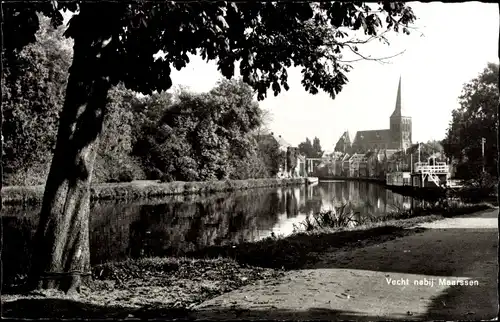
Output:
[[458, 40]]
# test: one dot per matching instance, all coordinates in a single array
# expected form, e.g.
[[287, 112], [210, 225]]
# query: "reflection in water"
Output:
[[180, 224]]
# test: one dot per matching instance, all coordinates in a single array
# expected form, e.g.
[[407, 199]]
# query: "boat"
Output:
[[312, 180]]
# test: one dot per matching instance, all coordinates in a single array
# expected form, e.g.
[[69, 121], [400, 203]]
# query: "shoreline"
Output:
[[121, 284], [142, 189], [430, 193]]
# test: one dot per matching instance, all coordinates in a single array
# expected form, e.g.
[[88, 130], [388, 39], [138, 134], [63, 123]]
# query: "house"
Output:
[[283, 145], [337, 163], [345, 165], [300, 168], [363, 168], [381, 168], [371, 164], [355, 162]]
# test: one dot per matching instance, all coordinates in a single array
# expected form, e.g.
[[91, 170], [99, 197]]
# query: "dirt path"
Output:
[[357, 283]]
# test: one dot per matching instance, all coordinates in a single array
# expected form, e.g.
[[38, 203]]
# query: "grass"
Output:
[[144, 189]]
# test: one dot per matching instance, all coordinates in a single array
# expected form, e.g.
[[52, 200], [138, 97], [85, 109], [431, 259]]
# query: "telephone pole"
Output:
[[418, 151], [483, 141]]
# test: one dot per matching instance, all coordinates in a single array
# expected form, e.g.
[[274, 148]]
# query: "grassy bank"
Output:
[[151, 287], [147, 189], [297, 250]]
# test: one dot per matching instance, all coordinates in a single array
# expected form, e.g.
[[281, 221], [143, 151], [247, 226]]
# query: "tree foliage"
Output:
[[317, 148], [291, 158], [114, 161], [428, 149], [476, 118], [418, 151], [33, 89], [311, 150], [203, 136], [270, 154], [306, 148], [229, 32]]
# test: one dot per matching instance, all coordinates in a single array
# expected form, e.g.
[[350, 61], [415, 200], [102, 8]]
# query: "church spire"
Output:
[[397, 109]]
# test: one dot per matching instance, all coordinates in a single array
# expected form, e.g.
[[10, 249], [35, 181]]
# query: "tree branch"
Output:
[[363, 57]]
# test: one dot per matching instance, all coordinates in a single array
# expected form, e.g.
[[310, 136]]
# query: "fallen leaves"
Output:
[[170, 282]]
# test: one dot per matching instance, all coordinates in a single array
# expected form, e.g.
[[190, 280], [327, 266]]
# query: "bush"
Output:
[[108, 169], [31, 176]]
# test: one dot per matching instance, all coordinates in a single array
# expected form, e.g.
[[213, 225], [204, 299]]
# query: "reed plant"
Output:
[[341, 216]]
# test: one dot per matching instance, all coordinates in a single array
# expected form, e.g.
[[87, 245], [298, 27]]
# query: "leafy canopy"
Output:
[[33, 93], [311, 150], [265, 37], [202, 136]]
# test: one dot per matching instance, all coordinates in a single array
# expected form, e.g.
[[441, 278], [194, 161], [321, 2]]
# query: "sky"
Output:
[[452, 44]]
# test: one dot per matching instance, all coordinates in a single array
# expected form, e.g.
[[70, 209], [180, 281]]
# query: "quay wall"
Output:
[[371, 179]]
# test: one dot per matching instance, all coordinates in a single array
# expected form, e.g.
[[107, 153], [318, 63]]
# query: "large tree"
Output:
[[115, 42], [203, 136], [306, 148], [317, 148], [475, 119]]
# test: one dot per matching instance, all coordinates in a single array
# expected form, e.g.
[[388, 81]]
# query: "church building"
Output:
[[397, 137]]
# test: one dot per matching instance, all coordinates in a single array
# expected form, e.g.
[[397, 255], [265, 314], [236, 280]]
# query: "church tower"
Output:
[[400, 129]]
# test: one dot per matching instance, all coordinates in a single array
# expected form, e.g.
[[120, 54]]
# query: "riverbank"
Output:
[[474, 195], [444, 270], [144, 189], [171, 287]]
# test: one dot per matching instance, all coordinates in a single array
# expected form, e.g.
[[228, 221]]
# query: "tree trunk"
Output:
[[61, 258], [498, 127], [1, 108]]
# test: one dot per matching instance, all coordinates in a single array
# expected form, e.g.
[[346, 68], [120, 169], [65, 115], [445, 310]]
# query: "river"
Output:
[[178, 224]]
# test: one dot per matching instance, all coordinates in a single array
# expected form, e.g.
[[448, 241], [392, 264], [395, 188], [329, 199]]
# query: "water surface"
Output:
[[180, 224]]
